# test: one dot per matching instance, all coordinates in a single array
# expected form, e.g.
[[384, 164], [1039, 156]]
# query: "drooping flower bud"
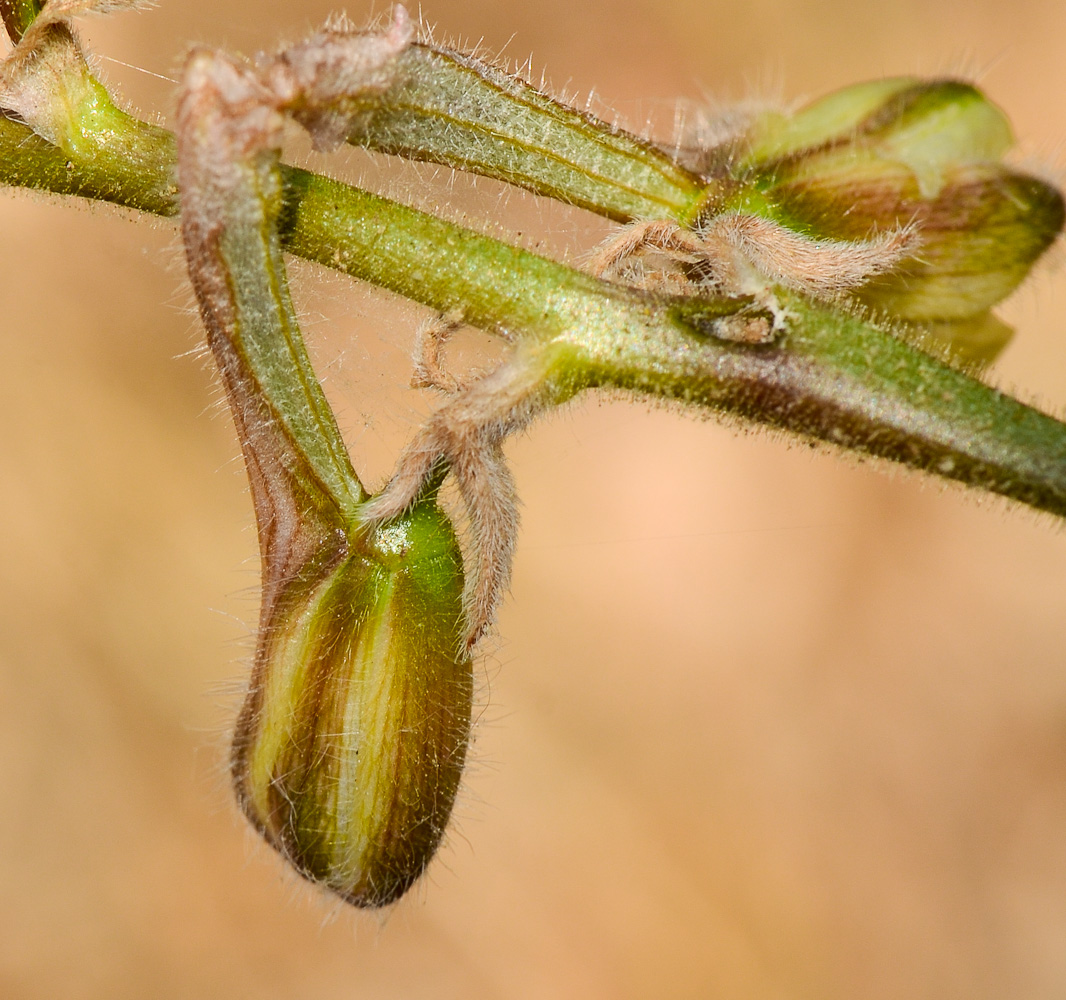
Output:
[[904, 152], [350, 746]]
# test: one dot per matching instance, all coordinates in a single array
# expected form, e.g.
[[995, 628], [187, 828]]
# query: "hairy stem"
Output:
[[449, 107], [835, 378]]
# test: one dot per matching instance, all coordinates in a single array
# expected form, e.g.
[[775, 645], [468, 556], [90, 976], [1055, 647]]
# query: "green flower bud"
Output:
[[350, 746], [902, 152], [924, 124]]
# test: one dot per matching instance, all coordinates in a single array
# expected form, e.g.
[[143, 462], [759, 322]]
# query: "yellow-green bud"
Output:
[[903, 152], [350, 746], [926, 124]]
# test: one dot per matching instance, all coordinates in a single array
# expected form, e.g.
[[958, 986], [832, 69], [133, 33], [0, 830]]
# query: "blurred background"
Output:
[[760, 723]]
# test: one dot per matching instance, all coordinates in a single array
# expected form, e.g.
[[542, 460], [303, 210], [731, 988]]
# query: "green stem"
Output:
[[448, 107], [263, 337], [132, 166], [835, 378]]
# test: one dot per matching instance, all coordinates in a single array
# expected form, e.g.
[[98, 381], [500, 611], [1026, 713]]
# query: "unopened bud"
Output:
[[350, 746], [878, 156], [926, 124]]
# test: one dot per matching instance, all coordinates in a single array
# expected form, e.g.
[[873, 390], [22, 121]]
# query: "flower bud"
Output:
[[902, 152], [926, 124], [350, 746]]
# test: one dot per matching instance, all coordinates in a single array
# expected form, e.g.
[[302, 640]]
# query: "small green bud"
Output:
[[47, 82], [350, 746], [902, 152], [924, 124]]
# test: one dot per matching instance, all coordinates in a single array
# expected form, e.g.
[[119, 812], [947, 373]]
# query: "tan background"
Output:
[[760, 723]]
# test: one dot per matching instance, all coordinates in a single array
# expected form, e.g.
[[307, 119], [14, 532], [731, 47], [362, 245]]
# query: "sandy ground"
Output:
[[760, 723]]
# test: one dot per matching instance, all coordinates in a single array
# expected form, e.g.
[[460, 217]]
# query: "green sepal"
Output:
[[902, 152], [972, 343]]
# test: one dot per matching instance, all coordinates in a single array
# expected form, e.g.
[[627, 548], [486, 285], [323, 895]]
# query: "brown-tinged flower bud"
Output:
[[350, 746], [904, 152]]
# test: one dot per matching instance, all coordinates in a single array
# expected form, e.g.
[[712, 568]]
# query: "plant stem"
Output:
[[835, 378], [451, 108]]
